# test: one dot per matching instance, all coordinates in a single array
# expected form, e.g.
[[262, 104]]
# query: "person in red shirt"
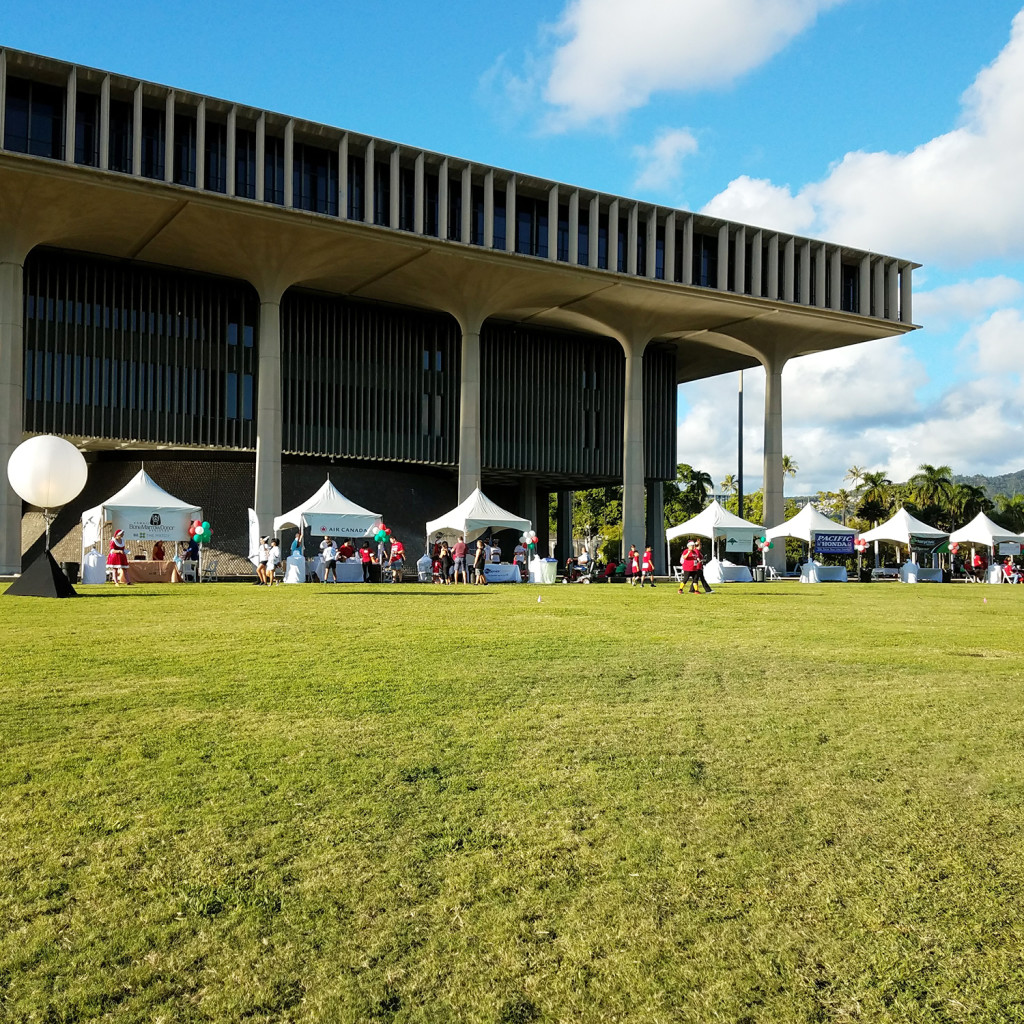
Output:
[[647, 567], [397, 559], [459, 552], [365, 557], [687, 562], [632, 565]]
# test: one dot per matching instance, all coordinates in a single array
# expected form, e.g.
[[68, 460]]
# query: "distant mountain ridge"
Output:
[[1008, 483]]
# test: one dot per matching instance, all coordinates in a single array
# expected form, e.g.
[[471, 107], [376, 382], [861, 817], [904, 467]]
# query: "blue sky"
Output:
[[897, 127]]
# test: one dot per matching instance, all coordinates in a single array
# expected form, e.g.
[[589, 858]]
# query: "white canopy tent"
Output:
[[805, 524], [715, 522], [904, 529], [474, 517], [144, 510], [329, 513], [982, 531]]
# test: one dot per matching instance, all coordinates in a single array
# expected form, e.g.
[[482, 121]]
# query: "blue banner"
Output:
[[833, 543]]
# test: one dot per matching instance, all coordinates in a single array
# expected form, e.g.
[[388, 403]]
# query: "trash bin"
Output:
[[759, 574], [865, 575], [70, 569]]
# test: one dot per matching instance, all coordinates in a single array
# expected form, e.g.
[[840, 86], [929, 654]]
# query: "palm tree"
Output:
[[1010, 510], [730, 484], [843, 502], [789, 466], [696, 482], [875, 487], [932, 484], [855, 474]]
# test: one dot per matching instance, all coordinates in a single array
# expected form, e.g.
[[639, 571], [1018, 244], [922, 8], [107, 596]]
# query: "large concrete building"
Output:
[[250, 299]]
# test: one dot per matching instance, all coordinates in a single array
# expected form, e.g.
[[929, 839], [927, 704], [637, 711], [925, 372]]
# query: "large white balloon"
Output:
[[47, 471]]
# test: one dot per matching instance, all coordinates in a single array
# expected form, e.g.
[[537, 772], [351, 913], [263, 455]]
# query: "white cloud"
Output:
[[965, 300], [997, 345], [955, 198], [615, 55], [661, 163], [758, 201]]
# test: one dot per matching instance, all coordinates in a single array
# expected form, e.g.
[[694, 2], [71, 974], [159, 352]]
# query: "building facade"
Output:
[[204, 284]]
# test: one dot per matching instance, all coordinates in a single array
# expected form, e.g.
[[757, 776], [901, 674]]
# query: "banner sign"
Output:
[[151, 523], [1007, 548], [739, 540], [833, 543]]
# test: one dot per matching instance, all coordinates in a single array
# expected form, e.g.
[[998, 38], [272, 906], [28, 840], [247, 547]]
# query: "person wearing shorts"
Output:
[[459, 553]]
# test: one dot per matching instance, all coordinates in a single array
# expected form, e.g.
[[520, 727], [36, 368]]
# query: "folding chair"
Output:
[[209, 574], [188, 572], [771, 574]]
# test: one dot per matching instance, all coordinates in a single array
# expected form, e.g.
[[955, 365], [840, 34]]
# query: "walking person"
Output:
[[447, 563], [117, 559], [688, 563], [365, 557], [459, 553], [330, 556], [479, 561], [273, 560], [647, 567], [633, 565], [699, 566]]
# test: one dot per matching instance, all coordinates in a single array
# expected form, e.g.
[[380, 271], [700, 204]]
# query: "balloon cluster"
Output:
[[954, 547], [200, 531], [529, 541], [763, 544], [382, 534], [861, 544]]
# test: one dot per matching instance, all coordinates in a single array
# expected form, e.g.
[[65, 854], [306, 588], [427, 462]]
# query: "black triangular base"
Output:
[[42, 578]]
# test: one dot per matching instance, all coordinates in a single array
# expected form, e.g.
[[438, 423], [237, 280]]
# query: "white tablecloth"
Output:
[[94, 569], [814, 573], [723, 571], [929, 575], [543, 570], [502, 573], [995, 573], [348, 572], [295, 569]]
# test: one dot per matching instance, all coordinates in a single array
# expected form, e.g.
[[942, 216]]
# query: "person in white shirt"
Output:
[[495, 558], [273, 560], [519, 555], [330, 557], [584, 560], [263, 553]]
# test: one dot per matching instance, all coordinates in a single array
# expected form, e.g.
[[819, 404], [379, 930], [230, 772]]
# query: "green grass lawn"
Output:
[[349, 803]]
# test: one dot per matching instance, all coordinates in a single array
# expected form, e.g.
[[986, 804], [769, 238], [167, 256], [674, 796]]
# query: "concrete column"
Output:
[[722, 277], [489, 209], [231, 150], [343, 177], [469, 413], [773, 267], [442, 199], [12, 407], [819, 277], [613, 235], [105, 123], [774, 505], [137, 131], [878, 287], [289, 163], [269, 415], [510, 214], [70, 106], [789, 271], [368, 177], [756, 262], [687, 265], [906, 296], [418, 193], [3, 93], [864, 299], [632, 232], [805, 273], [261, 158], [651, 270], [466, 233], [394, 213], [553, 223], [594, 230], [528, 500], [670, 247], [892, 292], [574, 227], [563, 524], [541, 524], [633, 524], [201, 150], [740, 269], [656, 525], [836, 270], [169, 107]]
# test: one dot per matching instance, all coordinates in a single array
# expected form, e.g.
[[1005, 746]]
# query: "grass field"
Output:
[[773, 803]]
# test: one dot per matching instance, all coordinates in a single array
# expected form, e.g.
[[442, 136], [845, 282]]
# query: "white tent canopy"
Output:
[[144, 510], [329, 513], [903, 528], [807, 522], [474, 517], [714, 522], [981, 530]]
